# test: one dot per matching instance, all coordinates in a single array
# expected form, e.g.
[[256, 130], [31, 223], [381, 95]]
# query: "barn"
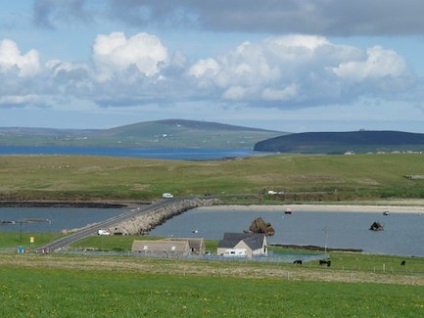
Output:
[[169, 247]]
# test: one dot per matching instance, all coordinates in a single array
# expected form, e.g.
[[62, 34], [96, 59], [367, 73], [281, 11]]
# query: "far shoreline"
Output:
[[411, 206], [340, 208]]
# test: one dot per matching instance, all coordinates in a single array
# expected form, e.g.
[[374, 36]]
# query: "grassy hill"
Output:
[[172, 133], [341, 142], [312, 178]]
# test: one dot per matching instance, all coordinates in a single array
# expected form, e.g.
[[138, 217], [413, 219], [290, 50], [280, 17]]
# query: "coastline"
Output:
[[398, 206], [346, 208]]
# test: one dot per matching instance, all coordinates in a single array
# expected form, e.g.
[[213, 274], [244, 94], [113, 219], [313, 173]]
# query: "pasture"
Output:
[[356, 285], [93, 286], [302, 178]]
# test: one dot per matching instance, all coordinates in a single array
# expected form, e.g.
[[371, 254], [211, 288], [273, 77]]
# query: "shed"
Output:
[[233, 244], [196, 245]]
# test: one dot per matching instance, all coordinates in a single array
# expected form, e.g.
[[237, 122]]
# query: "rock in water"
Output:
[[376, 227], [260, 226]]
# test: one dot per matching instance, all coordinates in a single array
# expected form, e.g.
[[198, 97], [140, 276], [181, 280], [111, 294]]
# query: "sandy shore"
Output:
[[321, 208]]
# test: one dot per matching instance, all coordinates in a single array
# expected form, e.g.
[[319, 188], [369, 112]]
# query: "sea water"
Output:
[[403, 234]]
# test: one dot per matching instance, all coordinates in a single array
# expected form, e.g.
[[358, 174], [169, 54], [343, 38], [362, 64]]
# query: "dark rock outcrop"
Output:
[[260, 226], [376, 227]]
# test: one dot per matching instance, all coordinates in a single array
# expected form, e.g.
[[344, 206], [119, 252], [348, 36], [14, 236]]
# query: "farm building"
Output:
[[168, 247], [243, 245]]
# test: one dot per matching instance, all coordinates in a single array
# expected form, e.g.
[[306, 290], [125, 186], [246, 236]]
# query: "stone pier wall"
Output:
[[148, 220]]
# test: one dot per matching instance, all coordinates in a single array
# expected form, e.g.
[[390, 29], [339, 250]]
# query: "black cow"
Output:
[[298, 261], [403, 263], [324, 262]]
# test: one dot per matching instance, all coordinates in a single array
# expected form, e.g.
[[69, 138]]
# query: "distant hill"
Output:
[[342, 142], [171, 133]]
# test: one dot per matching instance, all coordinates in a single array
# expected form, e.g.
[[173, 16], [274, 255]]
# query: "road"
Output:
[[92, 230]]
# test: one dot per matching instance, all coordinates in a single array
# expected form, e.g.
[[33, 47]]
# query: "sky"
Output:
[[286, 65]]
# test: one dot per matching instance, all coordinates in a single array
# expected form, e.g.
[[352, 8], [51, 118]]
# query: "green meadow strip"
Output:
[[72, 292], [311, 178]]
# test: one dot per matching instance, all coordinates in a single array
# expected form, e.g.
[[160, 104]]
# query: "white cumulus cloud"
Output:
[[283, 72], [301, 69], [378, 62], [115, 53], [11, 59]]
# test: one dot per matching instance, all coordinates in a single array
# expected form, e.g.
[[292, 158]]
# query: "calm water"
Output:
[[403, 233], [61, 218], [152, 153]]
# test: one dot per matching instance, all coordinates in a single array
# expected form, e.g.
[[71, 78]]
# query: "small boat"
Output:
[[386, 213], [288, 211], [195, 231]]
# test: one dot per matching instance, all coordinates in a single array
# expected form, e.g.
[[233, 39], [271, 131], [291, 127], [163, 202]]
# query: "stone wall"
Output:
[[148, 220]]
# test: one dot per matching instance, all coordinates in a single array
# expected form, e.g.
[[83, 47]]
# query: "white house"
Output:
[[243, 245]]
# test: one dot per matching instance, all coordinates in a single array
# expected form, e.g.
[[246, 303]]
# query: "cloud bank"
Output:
[[321, 17], [282, 72]]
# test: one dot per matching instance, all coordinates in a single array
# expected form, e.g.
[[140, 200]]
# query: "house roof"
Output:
[[160, 246], [196, 243], [252, 240]]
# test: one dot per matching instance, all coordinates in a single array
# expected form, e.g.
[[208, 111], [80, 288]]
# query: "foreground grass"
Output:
[[341, 261], [301, 177], [77, 286], [361, 285]]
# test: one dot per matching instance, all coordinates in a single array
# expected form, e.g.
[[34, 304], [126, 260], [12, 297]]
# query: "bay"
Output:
[[402, 235], [151, 153], [53, 219]]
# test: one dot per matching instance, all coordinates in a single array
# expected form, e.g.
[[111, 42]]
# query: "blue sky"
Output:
[[296, 66]]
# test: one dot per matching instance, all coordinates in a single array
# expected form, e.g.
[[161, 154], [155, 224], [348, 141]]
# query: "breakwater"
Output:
[[146, 220]]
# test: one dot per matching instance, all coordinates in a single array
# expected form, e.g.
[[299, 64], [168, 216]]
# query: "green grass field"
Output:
[[356, 285], [88, 286], [312, 178]]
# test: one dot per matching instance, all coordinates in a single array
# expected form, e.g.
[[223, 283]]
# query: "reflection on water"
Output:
[[402, 235]]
